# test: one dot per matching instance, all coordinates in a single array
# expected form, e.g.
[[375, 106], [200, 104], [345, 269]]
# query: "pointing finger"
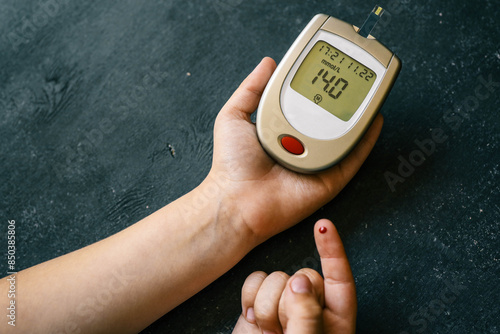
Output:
[[340, 291]]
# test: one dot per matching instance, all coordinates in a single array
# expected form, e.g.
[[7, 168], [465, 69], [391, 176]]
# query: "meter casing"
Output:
[[324, 151]]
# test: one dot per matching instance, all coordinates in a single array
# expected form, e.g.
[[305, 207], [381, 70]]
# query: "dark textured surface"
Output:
[[107, 111]]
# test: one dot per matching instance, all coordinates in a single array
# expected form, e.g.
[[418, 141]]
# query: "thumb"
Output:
[[246, 98], [303, 311]]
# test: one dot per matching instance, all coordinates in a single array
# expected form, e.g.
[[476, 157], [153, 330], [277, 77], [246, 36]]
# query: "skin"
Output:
[[304, 303], [127, 281]]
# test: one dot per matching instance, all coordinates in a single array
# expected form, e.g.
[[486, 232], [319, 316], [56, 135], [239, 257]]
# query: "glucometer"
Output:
[[325, 93]]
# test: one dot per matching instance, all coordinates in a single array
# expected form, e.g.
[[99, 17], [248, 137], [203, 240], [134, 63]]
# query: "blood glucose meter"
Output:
[[325, 93]]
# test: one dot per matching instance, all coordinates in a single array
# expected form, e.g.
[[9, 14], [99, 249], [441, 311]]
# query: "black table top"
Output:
[[89, 147]]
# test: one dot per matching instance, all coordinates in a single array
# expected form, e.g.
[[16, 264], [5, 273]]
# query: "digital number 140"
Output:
[[328, 83]]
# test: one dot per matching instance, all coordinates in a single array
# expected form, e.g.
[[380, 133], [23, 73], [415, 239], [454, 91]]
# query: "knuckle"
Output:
[[251, 286], [265, 310], [255, 279], [278, 276], [256, 276], [266, 316], [267, 300]]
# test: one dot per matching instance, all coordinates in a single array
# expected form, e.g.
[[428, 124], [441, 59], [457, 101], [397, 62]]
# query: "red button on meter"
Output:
[[292, 145]]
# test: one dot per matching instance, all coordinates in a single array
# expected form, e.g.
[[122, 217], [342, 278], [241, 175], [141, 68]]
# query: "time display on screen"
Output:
[[333, 80]]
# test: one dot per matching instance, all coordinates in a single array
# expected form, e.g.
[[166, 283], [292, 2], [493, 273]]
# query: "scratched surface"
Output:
[[107, 111]]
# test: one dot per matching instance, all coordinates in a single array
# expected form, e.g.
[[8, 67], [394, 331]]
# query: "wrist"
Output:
[[223, 207]]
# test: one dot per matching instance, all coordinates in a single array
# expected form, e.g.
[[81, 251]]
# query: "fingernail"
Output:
[[301, 284], [250, 315]]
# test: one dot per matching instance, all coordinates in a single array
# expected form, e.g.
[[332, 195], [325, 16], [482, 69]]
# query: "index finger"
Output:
[[340, 291]]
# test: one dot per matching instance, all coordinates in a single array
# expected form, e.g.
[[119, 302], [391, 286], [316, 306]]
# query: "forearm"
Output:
[[123, 283], [126, 281]]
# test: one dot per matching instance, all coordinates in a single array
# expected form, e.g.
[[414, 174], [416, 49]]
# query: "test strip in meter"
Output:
[[325, 93]]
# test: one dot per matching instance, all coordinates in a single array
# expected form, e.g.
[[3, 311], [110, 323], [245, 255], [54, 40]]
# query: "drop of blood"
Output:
[[322, 229]]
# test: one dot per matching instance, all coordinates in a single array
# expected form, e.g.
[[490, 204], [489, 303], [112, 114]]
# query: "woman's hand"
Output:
[[186, 245], [265, 197], [304, 303]]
